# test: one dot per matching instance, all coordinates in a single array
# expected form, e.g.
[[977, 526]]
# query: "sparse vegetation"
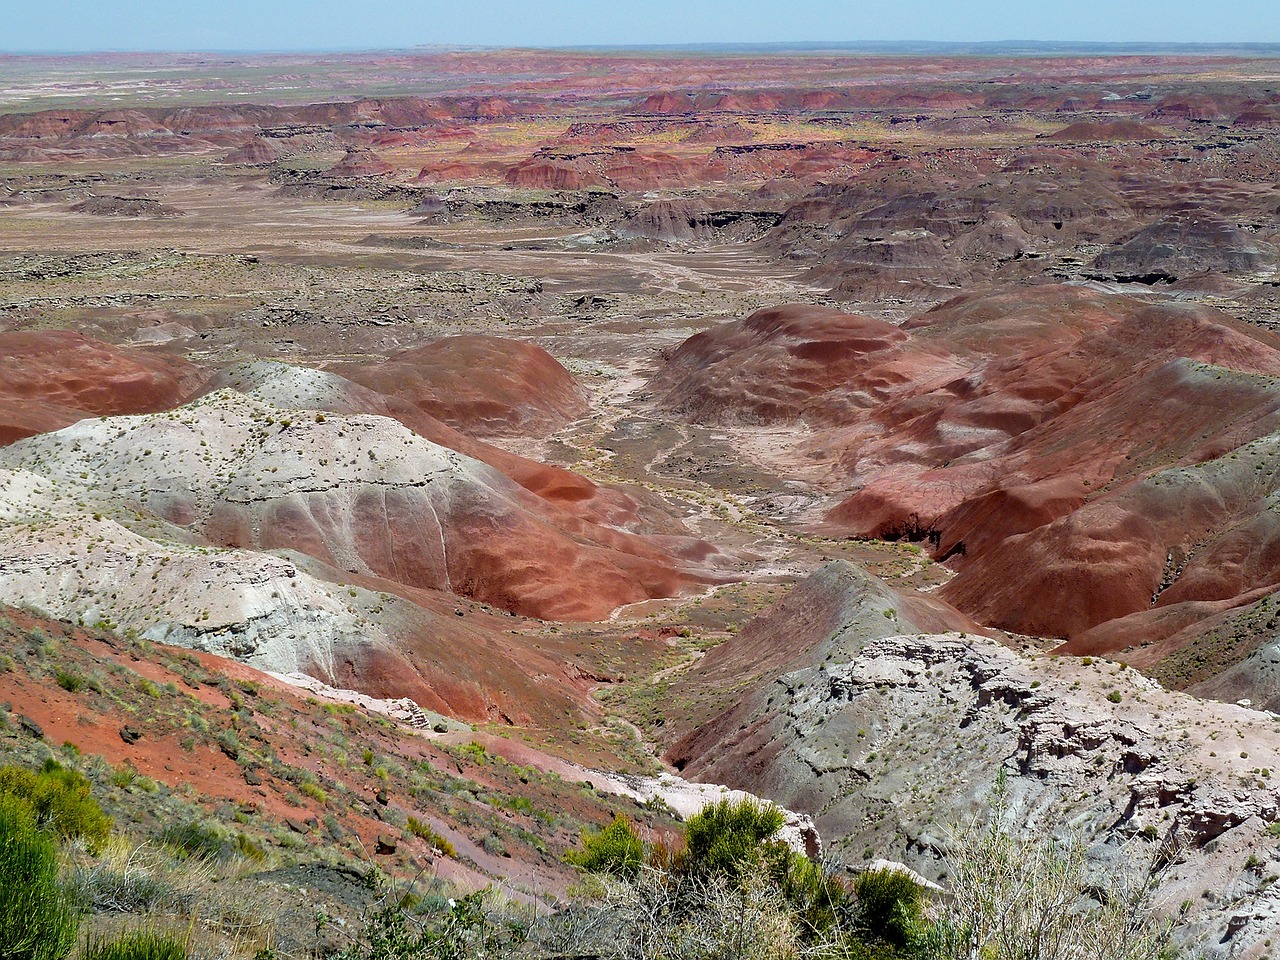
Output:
[[198, 840], [1030, 896]]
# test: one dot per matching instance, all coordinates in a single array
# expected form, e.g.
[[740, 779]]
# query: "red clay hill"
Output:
[[482, 385], [53, 378]]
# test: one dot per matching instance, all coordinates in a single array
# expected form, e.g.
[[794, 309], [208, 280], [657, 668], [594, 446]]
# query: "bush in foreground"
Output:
[[615, 851], [60, 801], [38, 918], [1032, 896], [727, 838], [890, 906], [737, 893]]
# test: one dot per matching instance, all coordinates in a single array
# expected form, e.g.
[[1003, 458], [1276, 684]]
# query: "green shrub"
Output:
[[727, 838], [139, 945], [197, 840], [39, 918], [889, 905], [60, 800], [819, 900], [616, 850]]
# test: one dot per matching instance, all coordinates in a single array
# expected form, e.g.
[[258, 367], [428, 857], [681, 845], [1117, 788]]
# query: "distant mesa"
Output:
[[431, 209], [666, 104], [619, 167], [1258, 115], [1186, 245], [1196, 108], [258, 152], [25, 154], [360, 162], [695, 221], [1088, 131], [113, 206], [447, 171]]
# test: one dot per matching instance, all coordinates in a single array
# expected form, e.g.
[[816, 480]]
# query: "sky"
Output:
[[280, 25]]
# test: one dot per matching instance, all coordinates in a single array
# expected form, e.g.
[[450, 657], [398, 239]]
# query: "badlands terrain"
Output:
[[507, 439]]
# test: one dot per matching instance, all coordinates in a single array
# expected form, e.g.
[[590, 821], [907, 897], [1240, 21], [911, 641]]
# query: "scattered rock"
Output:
[[30, 726]]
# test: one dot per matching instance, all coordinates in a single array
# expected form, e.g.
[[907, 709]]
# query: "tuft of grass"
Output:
[[131, 878], [70, 682], [314, 791], [139, 945], [197, 840], [424, 831]]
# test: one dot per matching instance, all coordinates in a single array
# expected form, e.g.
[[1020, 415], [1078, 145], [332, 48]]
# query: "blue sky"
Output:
[[67, 25]]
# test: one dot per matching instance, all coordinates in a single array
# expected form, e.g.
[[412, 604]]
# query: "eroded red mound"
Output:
[[551, 545], [484, 386], [257, 152], [53, 378], [1034, 437]]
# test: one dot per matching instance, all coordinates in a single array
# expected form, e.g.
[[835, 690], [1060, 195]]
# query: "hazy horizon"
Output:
[[329, 26], [1012, 47]]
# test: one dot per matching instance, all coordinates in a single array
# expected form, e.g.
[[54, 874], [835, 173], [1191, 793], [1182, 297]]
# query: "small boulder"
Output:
[[30, 726]]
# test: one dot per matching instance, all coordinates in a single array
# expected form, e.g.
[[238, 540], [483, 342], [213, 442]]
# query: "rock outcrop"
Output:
[[885, 739]]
